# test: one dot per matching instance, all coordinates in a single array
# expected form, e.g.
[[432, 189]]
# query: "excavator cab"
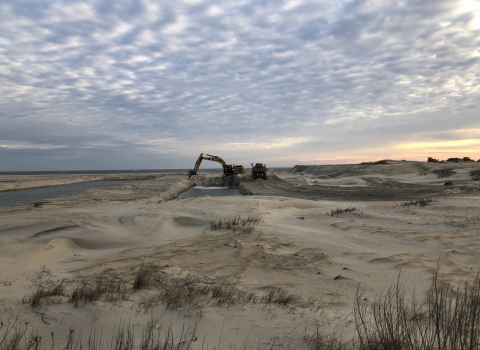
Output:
[[233, 169], [228, 169]]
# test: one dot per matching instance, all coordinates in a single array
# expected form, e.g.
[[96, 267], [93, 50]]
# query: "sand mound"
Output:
[[391, 168], [58, 249]]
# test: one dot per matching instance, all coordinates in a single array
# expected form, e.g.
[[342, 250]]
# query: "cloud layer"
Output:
[[148, 84]]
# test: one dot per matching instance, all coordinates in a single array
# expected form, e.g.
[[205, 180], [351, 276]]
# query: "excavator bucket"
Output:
[[190, 173]]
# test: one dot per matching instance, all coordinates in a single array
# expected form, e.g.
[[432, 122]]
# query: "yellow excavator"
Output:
[[228, 169]]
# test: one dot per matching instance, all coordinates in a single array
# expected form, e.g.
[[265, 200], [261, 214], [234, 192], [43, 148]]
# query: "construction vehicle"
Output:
[[228, 169], [259, 170]]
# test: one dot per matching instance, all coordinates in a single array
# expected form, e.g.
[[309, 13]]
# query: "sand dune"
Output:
[[299, 245]]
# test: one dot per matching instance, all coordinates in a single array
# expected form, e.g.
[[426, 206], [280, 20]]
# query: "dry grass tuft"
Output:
[[19, 335], [152, 339], [450, 319], [237, 224], [107, 290], [423, 202], [143, 277], [279, 296], [339, 211], [321, 341], [43, 296], [193, 293]]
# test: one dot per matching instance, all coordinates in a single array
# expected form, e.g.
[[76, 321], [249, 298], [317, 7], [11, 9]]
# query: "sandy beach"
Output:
[[317, 234]]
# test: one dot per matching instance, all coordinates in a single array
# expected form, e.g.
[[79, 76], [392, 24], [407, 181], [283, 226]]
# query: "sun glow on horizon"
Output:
[[441, 145]]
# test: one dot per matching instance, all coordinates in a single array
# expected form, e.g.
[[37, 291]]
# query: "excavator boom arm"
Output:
[[215, 159], [206, 157]]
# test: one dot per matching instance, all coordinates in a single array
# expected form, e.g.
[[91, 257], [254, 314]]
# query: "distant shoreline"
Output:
[[95, 172], [104, 172]]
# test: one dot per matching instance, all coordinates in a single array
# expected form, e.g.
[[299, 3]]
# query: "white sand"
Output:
[[297, 247]]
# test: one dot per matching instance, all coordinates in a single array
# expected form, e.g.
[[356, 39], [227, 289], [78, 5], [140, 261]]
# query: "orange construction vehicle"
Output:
[[228, 169]]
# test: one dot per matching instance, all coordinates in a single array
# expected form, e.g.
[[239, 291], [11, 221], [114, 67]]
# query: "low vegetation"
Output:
[[83, 293], [143, 277], [106, 290], [378, 162], [172, 291], [321, 341], [475, 174], [449, 319], [19, 335], [423, 202], [441, 173], [45, 296], [339, 211], [194, 293], [279, 296], [237, 224]]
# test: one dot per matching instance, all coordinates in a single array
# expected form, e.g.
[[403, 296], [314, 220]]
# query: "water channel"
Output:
[[21, 197]]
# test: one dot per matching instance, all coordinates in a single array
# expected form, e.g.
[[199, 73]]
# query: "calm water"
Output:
[[102, 172], [7, 199], [199, 191]]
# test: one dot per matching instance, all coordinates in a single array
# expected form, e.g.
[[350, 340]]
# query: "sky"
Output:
[[149, 84]]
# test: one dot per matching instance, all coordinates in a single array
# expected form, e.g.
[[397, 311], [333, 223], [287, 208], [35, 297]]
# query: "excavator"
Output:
[[228, 169]]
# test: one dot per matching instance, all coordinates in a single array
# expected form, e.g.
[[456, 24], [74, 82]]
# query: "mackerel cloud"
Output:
[[115, 83]]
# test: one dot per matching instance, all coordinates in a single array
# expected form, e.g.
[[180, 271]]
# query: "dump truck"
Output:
[[228, 169], [259, 171]]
